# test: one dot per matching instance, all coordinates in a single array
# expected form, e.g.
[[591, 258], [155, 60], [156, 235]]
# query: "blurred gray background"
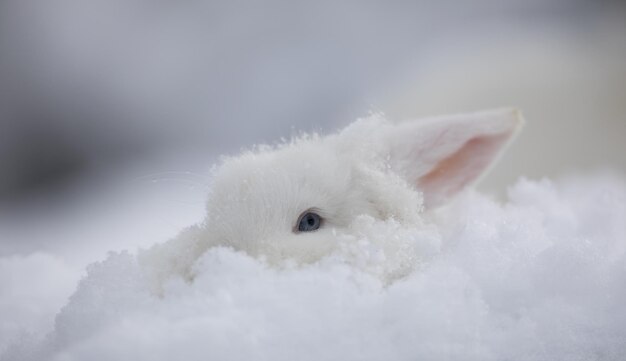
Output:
[[112, 112]]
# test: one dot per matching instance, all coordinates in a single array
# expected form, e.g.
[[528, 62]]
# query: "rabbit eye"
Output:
[[308, 222]]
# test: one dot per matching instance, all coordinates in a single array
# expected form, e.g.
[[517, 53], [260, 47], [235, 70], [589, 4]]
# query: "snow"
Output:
[[541, 276]]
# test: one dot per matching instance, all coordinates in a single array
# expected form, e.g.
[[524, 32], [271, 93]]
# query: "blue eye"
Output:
[[309, 222]]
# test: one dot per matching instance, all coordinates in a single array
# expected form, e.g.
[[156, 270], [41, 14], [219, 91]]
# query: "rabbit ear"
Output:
[[443, 155]]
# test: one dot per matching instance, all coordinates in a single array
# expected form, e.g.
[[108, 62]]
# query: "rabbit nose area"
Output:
[[250, 212]]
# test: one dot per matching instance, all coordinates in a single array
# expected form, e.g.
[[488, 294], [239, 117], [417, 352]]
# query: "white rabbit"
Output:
[[290, 201]]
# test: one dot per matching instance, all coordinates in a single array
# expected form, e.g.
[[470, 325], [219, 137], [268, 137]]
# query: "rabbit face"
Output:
[[258, 200]]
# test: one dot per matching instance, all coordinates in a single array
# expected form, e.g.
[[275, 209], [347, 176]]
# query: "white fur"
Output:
[[372, 170]]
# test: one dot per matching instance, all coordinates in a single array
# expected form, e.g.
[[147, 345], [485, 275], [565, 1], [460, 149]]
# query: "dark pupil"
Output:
[[309, 222]]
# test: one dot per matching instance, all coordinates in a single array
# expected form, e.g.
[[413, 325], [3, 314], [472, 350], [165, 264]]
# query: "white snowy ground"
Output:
[[541, 276]]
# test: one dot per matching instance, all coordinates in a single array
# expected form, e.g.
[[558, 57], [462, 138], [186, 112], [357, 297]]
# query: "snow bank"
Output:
[[541, 277]]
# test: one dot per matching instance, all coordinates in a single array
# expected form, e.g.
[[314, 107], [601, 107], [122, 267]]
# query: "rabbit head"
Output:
[[290, 201]]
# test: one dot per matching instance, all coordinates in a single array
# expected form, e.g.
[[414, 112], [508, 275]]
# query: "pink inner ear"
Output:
[[455, 172]]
